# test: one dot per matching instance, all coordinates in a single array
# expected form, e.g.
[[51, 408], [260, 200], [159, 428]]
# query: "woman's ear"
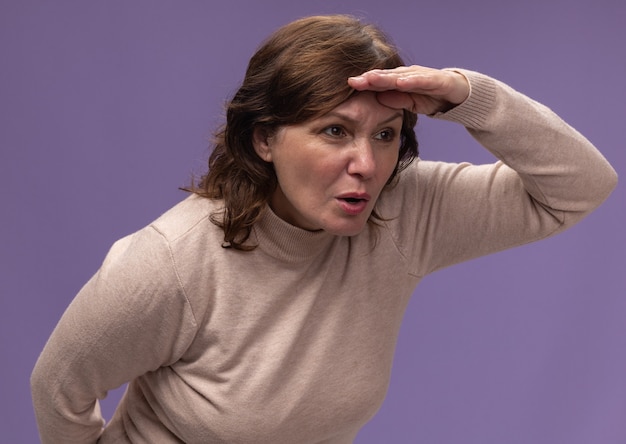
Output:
[[260, 141]]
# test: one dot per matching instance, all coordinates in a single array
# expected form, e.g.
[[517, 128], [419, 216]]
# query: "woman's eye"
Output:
[[386, 135], [334, 131]]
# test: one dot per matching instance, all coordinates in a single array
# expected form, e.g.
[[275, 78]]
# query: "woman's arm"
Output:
[[547, 178], [130, 318]]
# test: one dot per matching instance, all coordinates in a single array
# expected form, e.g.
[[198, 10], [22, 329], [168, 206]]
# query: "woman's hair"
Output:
[[299, 73]]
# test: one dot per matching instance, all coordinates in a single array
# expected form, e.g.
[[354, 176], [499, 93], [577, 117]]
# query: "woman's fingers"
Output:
[[442, 86], [405, 78]]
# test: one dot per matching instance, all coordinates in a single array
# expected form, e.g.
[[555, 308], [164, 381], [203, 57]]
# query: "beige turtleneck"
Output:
[[293, 341]]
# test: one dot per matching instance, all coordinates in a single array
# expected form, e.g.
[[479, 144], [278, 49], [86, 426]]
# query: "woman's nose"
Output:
[[362, 160]]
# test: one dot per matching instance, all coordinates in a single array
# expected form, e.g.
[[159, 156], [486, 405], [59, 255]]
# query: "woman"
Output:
[[265, 307]]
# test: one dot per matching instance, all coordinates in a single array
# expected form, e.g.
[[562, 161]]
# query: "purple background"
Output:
[[107, 107]]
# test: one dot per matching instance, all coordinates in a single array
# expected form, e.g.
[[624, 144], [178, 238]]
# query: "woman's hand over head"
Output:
[[415, 88]]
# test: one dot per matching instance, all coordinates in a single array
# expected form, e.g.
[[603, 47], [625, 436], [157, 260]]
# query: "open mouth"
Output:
[[352, 200], [353, 205]]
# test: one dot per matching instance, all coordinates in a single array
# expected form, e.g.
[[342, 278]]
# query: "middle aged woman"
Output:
[[265, 307]]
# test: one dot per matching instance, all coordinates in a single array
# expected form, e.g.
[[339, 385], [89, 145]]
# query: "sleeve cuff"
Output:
[[474, 112]]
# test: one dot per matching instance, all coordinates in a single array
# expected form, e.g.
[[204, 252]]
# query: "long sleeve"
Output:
[[131, 318], [547, 178], [559, 167]]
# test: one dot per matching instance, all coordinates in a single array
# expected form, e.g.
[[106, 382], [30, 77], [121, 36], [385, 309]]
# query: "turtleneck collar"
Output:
[[286, 242]]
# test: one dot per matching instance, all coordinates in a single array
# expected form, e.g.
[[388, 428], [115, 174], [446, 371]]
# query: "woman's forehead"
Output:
[[362, 106]]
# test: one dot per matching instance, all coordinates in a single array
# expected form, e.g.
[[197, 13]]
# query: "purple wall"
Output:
[[106, 108]]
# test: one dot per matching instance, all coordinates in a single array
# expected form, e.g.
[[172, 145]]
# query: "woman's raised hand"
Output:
[[415, 88]]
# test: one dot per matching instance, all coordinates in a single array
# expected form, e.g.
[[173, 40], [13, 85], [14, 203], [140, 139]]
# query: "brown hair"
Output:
[[298, 74]]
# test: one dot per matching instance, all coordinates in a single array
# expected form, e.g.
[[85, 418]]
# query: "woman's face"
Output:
[[332, 169]]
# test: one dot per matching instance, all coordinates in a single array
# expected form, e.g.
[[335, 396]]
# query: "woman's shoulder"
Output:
[[190, 217], [413, 180]]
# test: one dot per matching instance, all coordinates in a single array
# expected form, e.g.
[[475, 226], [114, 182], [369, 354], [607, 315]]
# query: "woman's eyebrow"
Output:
[[353, 120]]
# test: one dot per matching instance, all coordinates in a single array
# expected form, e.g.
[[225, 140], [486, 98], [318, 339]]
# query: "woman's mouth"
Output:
[[353, 204]]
